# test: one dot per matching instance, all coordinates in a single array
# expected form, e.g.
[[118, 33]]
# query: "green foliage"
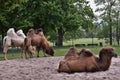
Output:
[[10, 4], [59, 51], [108, 9], [9, 14], [51, 15], [54, 14]]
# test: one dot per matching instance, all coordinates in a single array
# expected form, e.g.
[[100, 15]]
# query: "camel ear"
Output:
[[88, 54], [103, 50]]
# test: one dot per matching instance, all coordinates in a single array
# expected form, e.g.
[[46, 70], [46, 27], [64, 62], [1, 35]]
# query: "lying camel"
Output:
[[88, 62]]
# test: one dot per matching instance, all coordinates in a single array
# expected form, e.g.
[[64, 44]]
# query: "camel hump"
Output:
[[72, 52], [86, 52]]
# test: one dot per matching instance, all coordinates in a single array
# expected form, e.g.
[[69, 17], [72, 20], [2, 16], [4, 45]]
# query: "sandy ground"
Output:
[[46, 69]]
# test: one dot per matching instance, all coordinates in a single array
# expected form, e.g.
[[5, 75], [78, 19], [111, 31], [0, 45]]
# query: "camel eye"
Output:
[[111, 52]]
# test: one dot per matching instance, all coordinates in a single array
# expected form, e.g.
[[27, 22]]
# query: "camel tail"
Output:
[[4, 41]]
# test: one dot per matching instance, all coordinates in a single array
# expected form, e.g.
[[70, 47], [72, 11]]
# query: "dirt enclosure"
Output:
[[46, 69]]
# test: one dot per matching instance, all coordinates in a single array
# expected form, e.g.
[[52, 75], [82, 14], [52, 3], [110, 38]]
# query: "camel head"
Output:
[[107, 51], [49, 51]]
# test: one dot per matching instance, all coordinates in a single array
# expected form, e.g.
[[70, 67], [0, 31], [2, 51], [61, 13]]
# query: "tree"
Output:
[[117, 28], [76, 14], [10, 4], [54, 16], [59, 15], [107, 14]]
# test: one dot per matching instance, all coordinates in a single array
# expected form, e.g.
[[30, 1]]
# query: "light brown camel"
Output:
[[88, 62], [39, 41]]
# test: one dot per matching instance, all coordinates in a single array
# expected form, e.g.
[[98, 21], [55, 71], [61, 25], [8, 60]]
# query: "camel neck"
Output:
[[104, 62]]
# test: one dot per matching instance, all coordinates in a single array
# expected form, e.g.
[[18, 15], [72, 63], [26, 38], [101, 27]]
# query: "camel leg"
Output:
[[30, 54], [23, 53], [5, 53], [5, 56], [38, 54], [37, 48]]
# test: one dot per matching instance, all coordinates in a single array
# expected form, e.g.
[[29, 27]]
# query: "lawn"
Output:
[[60, 51], [85, 41]]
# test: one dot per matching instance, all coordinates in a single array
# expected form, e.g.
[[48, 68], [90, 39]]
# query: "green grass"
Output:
[[85, 41], [60, 51], [10, 56]]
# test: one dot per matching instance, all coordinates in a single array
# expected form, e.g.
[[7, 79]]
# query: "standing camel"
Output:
[[39, 41], [14, 40]]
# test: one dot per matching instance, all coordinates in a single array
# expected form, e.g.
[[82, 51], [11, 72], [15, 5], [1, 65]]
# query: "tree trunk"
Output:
[[110, 25], [110, 35], [117, 29], [60, 37], [111, 3]]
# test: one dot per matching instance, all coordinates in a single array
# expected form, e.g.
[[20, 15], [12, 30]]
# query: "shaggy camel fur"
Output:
[[38, 39], [71, 54], [14, 40], [88, 62]]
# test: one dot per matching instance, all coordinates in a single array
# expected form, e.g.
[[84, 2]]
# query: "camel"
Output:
[[88, 62], [39, 41], [14, 40]]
